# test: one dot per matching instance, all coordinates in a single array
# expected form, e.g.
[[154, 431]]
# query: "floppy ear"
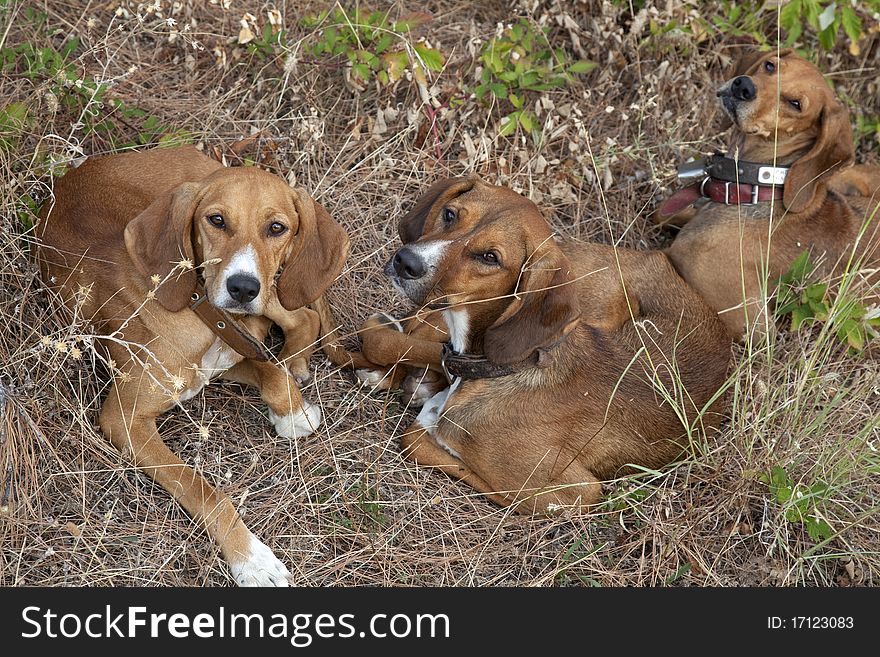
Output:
[[544, 311], [320, 253], [160, 237], [412, 224], [832, 150]]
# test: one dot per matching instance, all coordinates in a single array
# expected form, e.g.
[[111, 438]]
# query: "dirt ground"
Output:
[[341, 507]]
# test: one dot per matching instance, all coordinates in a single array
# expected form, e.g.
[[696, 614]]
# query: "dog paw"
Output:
[[430, 414], [260, 568], [299, 424], [299, 370], [419, 389], [383, 319], [376, 379]]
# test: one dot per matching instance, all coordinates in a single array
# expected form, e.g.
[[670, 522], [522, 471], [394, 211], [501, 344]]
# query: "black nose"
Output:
[[243, 288], [408, 265], [742, 88]]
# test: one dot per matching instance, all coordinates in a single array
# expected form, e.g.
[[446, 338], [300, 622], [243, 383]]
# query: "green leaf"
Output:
[[515, 100], [800, 268], [798, 316], [582, 66], [855, 337], [819, 530], [508, 124], [382, 43], [361, 70], [498, 89], [69, 46], [828, 37], [527, 121], [790, 14], [432, 59], [852, 24]]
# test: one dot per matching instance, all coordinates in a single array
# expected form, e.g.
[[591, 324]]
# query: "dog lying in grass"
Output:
[[785, 187], [182, 265], [570, 364]]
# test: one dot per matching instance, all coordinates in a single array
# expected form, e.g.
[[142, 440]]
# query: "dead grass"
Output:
[[341, 507]]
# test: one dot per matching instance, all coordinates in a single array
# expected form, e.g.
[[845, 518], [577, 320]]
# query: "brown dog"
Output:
[[569, 364], [793, 136], [145, 244]]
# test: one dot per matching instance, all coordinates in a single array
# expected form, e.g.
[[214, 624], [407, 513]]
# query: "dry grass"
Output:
[[341, 507]]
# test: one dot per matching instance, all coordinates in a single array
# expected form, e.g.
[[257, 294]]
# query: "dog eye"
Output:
[[216, 220], [796, 104], [448, 215], [276, 228], [489, 258], [769, 66]]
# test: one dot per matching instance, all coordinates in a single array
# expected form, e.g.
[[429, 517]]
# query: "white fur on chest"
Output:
[[219, 358], [459, 324]]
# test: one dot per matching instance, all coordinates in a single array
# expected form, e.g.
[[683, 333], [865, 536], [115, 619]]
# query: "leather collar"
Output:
[[725, 180], [741, 172], [477, 366], [225, 327]]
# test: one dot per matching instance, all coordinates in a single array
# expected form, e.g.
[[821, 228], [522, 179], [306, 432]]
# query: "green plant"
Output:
[[519, 61], [265, 44], [826, 19], [800, 502], [14, 120], [373, 46], [851, 321], [84, 100]]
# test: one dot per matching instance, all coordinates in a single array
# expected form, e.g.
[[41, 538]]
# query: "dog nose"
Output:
[[242, 288], [408, 265], [743, 88]]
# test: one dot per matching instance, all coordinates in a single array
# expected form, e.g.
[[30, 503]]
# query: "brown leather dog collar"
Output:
[[719, 191], [725, 180], [475, 366], [225, 327]]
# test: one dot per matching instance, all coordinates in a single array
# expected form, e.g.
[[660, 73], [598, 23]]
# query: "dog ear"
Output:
[[160, 237], [832, 150], [321, 249], [544, 310], [412, 225]]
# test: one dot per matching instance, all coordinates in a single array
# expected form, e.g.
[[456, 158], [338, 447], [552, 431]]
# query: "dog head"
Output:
[[783, 108], [487, 257], [240, 227]]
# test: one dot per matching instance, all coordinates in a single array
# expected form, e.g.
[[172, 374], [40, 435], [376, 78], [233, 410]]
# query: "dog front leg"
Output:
[[129, 421], [301, 329]]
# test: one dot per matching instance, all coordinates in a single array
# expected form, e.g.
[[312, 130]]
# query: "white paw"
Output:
[[422, 393], [261, 568], [299, 424], [429, 416], [374, 378], [387, 320]]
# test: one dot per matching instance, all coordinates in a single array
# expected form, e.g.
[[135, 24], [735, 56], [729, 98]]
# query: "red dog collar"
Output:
[[719, 191]]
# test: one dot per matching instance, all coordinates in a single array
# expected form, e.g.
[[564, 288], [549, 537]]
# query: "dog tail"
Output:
[[330, 342]]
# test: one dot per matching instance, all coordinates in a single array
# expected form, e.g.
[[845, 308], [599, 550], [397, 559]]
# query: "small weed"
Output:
[[853, 323], [826, 19], [373, 47], [85, 101], [799, 501], [518, 62], [576, 553]]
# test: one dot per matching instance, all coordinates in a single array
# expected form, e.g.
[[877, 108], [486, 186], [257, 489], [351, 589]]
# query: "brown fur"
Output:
[[119, 221], [613, 328], [728, 252]]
